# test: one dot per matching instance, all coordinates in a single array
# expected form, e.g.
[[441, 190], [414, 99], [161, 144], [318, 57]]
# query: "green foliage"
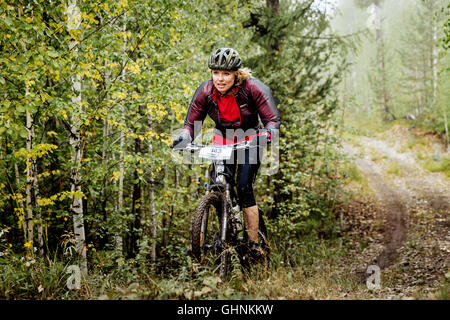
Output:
[[138, 65]]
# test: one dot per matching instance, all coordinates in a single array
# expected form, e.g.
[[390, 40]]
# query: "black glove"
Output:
[[182, 141]]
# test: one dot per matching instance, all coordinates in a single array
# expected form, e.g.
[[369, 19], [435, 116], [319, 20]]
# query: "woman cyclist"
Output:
[[234, 100]]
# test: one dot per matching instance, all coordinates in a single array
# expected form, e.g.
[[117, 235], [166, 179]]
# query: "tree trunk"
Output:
[[136, 208], [433, 54], [152, 197], [37, 197], [118, 237], [105, 153], [29, 146], [384, 99], [274, 4], [153, 220], [277, 196], [167, 219], [172, 213], [74, 19], [29, 170]]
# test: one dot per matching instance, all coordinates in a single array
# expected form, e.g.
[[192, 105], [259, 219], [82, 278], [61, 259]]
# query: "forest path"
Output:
[[414, 251]]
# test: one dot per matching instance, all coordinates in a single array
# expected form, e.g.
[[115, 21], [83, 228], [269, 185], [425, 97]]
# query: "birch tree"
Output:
[[29, 170], [380, 76], [73, 23], [37, 197]]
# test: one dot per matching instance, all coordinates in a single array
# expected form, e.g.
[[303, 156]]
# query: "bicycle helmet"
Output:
[[225, 59]]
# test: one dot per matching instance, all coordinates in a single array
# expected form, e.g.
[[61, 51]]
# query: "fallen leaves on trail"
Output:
[[361, 221]]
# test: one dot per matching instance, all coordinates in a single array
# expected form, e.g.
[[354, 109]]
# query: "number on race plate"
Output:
[[216, 153]]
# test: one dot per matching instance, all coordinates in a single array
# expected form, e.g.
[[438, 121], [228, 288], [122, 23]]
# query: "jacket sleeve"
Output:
[[265, 105], [197, 110]]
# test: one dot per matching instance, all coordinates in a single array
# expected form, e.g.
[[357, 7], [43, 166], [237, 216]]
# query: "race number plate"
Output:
[[215, 153]]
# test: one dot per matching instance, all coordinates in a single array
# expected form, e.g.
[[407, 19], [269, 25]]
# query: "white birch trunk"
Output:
[[153, 220], [105, 133], [37, 197], [29, 146], [381, 61], [152, 198], [119, 239], [74, 19], [434, 60]]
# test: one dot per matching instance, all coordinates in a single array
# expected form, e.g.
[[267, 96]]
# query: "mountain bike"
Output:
[[217, 227]]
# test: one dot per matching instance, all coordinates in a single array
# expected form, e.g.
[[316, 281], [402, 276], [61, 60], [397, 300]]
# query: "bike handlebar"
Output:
[[236, 146]]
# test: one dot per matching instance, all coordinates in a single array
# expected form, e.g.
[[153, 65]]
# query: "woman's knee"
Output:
[[246, 195]]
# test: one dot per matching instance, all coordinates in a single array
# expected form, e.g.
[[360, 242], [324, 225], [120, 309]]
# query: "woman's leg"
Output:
[[246, 175], [251, 219]]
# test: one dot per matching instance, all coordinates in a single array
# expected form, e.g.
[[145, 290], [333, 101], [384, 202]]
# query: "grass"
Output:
[[444, 292], [355, 180], [376, 156], [416, 142], [364, 126], [395, 169], [352, 172], [438, 165], [32, 278], [352, 139], [317, 274], [314, 272]]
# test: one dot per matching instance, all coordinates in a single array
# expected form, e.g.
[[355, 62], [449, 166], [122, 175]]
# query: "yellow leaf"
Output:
[[123, 4], [119, 95], [116, 175]]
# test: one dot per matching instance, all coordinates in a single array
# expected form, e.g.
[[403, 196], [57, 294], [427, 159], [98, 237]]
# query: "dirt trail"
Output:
[[393, 205], [396, 217], [416, 207]]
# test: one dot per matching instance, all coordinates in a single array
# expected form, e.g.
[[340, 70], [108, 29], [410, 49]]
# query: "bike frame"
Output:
[[220, 179], [222, 184]]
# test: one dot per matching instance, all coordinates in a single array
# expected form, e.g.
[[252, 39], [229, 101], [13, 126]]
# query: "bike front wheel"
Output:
[[206, 227]]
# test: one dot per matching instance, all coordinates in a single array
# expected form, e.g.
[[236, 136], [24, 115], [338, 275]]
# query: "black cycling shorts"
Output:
[[246, 175]]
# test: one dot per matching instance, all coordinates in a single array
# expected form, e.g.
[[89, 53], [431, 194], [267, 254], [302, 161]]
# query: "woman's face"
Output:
[[223, 79]]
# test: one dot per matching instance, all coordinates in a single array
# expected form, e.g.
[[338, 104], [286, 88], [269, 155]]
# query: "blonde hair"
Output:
[[242, 74]]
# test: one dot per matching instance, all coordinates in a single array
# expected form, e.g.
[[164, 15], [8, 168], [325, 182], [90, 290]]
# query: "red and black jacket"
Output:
[[252, 97]]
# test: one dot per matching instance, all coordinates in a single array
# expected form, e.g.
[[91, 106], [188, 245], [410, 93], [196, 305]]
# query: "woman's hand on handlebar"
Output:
[[261, 139], [182, 141]]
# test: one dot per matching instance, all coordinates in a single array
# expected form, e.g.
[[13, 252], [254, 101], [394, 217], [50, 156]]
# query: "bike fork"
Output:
[[223, 236]]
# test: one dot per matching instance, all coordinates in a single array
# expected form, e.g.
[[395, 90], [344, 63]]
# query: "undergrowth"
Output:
[[47, 278]]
